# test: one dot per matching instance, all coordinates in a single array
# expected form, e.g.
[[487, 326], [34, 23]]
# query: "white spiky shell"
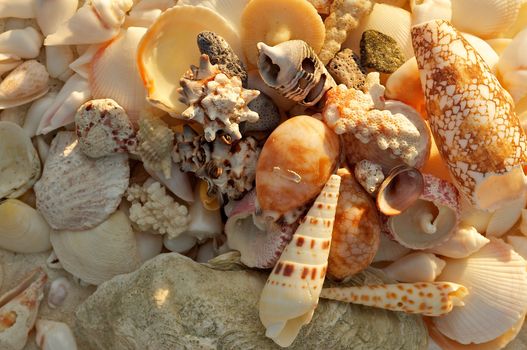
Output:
[[52, 335], [98, 254], [77, 192], [465, 241], [25, 83], [290, 295], [51, 14], [415, 267], [496, 279]]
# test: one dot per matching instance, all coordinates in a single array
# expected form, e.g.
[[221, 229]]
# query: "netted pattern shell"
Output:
[[155, 142]]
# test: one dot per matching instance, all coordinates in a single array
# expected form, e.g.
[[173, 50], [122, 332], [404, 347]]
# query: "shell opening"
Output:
[[400, 190], [269, 68], [317, 90], [427, 222]]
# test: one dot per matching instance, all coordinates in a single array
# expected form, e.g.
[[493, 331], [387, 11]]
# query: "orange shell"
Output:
[[356, 231], [296, 161]]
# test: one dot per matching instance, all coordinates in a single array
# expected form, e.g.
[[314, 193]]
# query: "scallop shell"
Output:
[[51, 14], [21, 43], [52, 335], [155, 142], [19, 163], [114, 73], [355, 237], [296, 161], [465, 241], [511, 67], [496, 278], [76, 192], [100, 253], [231, 10], [58, 59], [169, 47], [17, 9], [82, 65], [25, 83], [415, 267], [23, 229]]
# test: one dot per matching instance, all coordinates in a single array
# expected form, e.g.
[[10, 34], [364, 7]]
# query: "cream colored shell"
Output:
[[25, 83]]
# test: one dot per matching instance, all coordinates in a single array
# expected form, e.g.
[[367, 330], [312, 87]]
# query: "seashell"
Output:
[[73, 94], [465, 241], [94, 186], [25, 83], [95, 22], [17, 9], [369, 175], [160, 66], [496, 277], [210, 249], [23, 229], [291, 19], [485, 50], [431, 219], [488, 18], [230, 10], [58, 292], [486, 173], [290, 296], [511, 69], [209, 201], [519, 24], [148, 245], [523, 222], [155, 141], [434, 298], [178, 184], [216, 101], [400, 190], [42, 148], [297, 159], [58, 59], [255, 81], [19, 163], [405, 85], [499, 44], [114, 73], [144, 13], [203, 223], [355, 236], [82, 65], [51, 14], [322, 6], [180, 244], [52, 335], [293, 68], [268, 115], [473, 216], [8, 63], [21, 43], [103, 128], [519, 243], [389, 20], [429, 10], [98, 254], [415, 267], [435, 164], [14, 115], [389, 250], [503, 219]]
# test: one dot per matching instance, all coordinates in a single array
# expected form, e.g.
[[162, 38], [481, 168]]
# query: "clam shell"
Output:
[[23, 229], [21, 43], [76, 192], [496, 279], [100, 253], [169, 47], [52, 335], [19, 163], [415, 267], [17, 9], [465, 241], [511, 67], [51, 14], [231, 10], [25, 83]]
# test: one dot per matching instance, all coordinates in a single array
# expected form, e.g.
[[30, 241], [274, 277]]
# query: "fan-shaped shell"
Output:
[[77, 192], [100, 253], [25, 83]]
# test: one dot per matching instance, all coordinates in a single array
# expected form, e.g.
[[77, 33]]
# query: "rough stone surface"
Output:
[[269, 115], [345, 69], [175, 303], [380, 52]]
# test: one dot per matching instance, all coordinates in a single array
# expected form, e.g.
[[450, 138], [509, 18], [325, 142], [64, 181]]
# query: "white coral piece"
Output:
[[154, 210], [216, 101]]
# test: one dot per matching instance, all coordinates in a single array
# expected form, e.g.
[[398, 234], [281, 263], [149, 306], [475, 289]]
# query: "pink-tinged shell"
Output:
[[76, 192], [399, 191], [296, 161], [426, 298], [259, 247], [290, 296], [431, 220], [356, 231], [471, 116]]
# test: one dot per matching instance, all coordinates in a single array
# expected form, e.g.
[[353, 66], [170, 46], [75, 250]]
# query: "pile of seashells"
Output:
[[316, 138]]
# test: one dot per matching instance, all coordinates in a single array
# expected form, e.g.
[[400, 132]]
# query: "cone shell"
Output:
[[472, 119], [25, 83], [295, 163], [290, 295], [77, 192], [355, 237], [415, 267], [496, 278]]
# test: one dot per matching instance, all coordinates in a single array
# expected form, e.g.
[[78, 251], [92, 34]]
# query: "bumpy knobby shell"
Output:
[[369, 175], [496, 278], [52, 335], [415, 267], [290, 296], [103, 128], [25, 83], [465, 241], [355, 237], [426, 298], [77, 192], [19, 163], [296, 161], [155, 142], [345, 69], [216, 101], [473, 121], [283, 20], [51, 14], [169, 47], [511, 67], [294, 69], [23, 229], [100, 253]]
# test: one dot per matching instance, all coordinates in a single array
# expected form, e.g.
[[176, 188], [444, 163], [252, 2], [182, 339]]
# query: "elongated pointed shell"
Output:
[[471, 116], [290, 295], [496, 278]]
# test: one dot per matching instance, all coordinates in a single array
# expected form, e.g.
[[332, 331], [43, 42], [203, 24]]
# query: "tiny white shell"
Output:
[[415, 267], [21, 43], [58, 59], [51, 14], [58, 291], [52, 335]]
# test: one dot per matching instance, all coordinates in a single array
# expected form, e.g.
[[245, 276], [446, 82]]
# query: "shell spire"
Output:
[[290, 296], [471, 116]]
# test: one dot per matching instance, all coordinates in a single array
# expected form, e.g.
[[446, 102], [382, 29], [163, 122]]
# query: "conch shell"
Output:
[[290, 296]]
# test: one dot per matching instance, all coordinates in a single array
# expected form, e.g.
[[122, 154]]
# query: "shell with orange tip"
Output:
[[296, 161], [355, 237], [425, 298], [471, 116], [405, 85], [290, 296]]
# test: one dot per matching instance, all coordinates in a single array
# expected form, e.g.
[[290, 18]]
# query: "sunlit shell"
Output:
[[415, 267], [465, 241], [21, 43], [58, 59], [503, 219], [145, 12], [25, 83], [231, 10], [17, 9], [511, 67], [399, 191], [52, 335], [519, 243], [484, 49], [389, 250], [51, 14], [405, 85], [427, 10]]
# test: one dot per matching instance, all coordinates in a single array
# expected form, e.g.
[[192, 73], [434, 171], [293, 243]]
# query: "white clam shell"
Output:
[[35, 113], [465, 241], [77, 192], [52, 335], [503, 219], [98, 254], [25, 83], [17, 9], [21, 43], [58, 292], [22, 228], [58, 59], [496, 279], [19, 163], [415, 267], [512, 67], [51, 14]]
